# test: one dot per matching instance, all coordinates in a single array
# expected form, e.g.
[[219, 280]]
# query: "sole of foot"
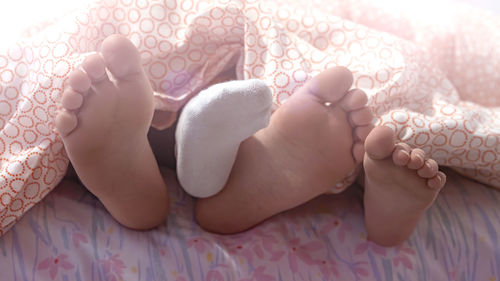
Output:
[[400, 185], [107, 109], [325, 125]]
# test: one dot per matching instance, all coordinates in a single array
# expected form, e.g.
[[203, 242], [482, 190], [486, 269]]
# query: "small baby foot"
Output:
[[400, 184], [307, 148], [104, 125], [210, 129]]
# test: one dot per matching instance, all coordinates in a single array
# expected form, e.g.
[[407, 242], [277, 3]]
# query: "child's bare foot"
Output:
[[104, 127], [307, 148], [400, 184]]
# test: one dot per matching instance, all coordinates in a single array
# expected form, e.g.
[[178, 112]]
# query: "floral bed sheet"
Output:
[[70, 236]]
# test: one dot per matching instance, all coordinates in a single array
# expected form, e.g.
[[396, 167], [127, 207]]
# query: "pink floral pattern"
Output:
[[259, 275], [368, 245], [70, 236], [404, 256], [302, 252], [78, 238], [113, 268], [201, 244], [54, 263]]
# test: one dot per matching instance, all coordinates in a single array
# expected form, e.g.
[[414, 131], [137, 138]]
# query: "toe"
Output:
[[79, 81], [429, 170], [95, 68], [401, 154], [361, 117], [65, 122], [379, 143], [330, 85], [358, 151], [362, 132], [355, 99], [121, 56], [437, 181], [417, 159], [71, 100]]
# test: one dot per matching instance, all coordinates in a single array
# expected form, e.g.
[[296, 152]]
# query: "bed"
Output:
[[60, 231]]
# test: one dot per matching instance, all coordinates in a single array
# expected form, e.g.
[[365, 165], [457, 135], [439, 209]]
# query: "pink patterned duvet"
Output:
[[70, 236]]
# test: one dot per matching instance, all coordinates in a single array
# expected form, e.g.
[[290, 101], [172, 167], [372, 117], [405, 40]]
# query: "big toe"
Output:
[[379, 144], [121, 56], [330, 85]]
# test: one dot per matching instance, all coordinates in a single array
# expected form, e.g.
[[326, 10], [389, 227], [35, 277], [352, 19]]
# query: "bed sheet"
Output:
[[70, 236]]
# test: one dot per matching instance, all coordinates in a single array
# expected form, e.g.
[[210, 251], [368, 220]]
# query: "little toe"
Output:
[[95, 68], [330, 85], [355, 99], [417, 159], [401, 154], [358, 151], [71, 100], [361, 117], [429, 170], [438, 181], [362, 132], [121, 56], [79, 81], [379, 143], [65, 122]]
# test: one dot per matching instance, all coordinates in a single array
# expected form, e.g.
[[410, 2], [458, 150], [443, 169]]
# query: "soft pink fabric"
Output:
[[417, 75], [70, 236]]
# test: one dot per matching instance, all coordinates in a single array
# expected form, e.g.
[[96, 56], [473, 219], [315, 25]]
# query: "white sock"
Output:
[[210, 129]]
